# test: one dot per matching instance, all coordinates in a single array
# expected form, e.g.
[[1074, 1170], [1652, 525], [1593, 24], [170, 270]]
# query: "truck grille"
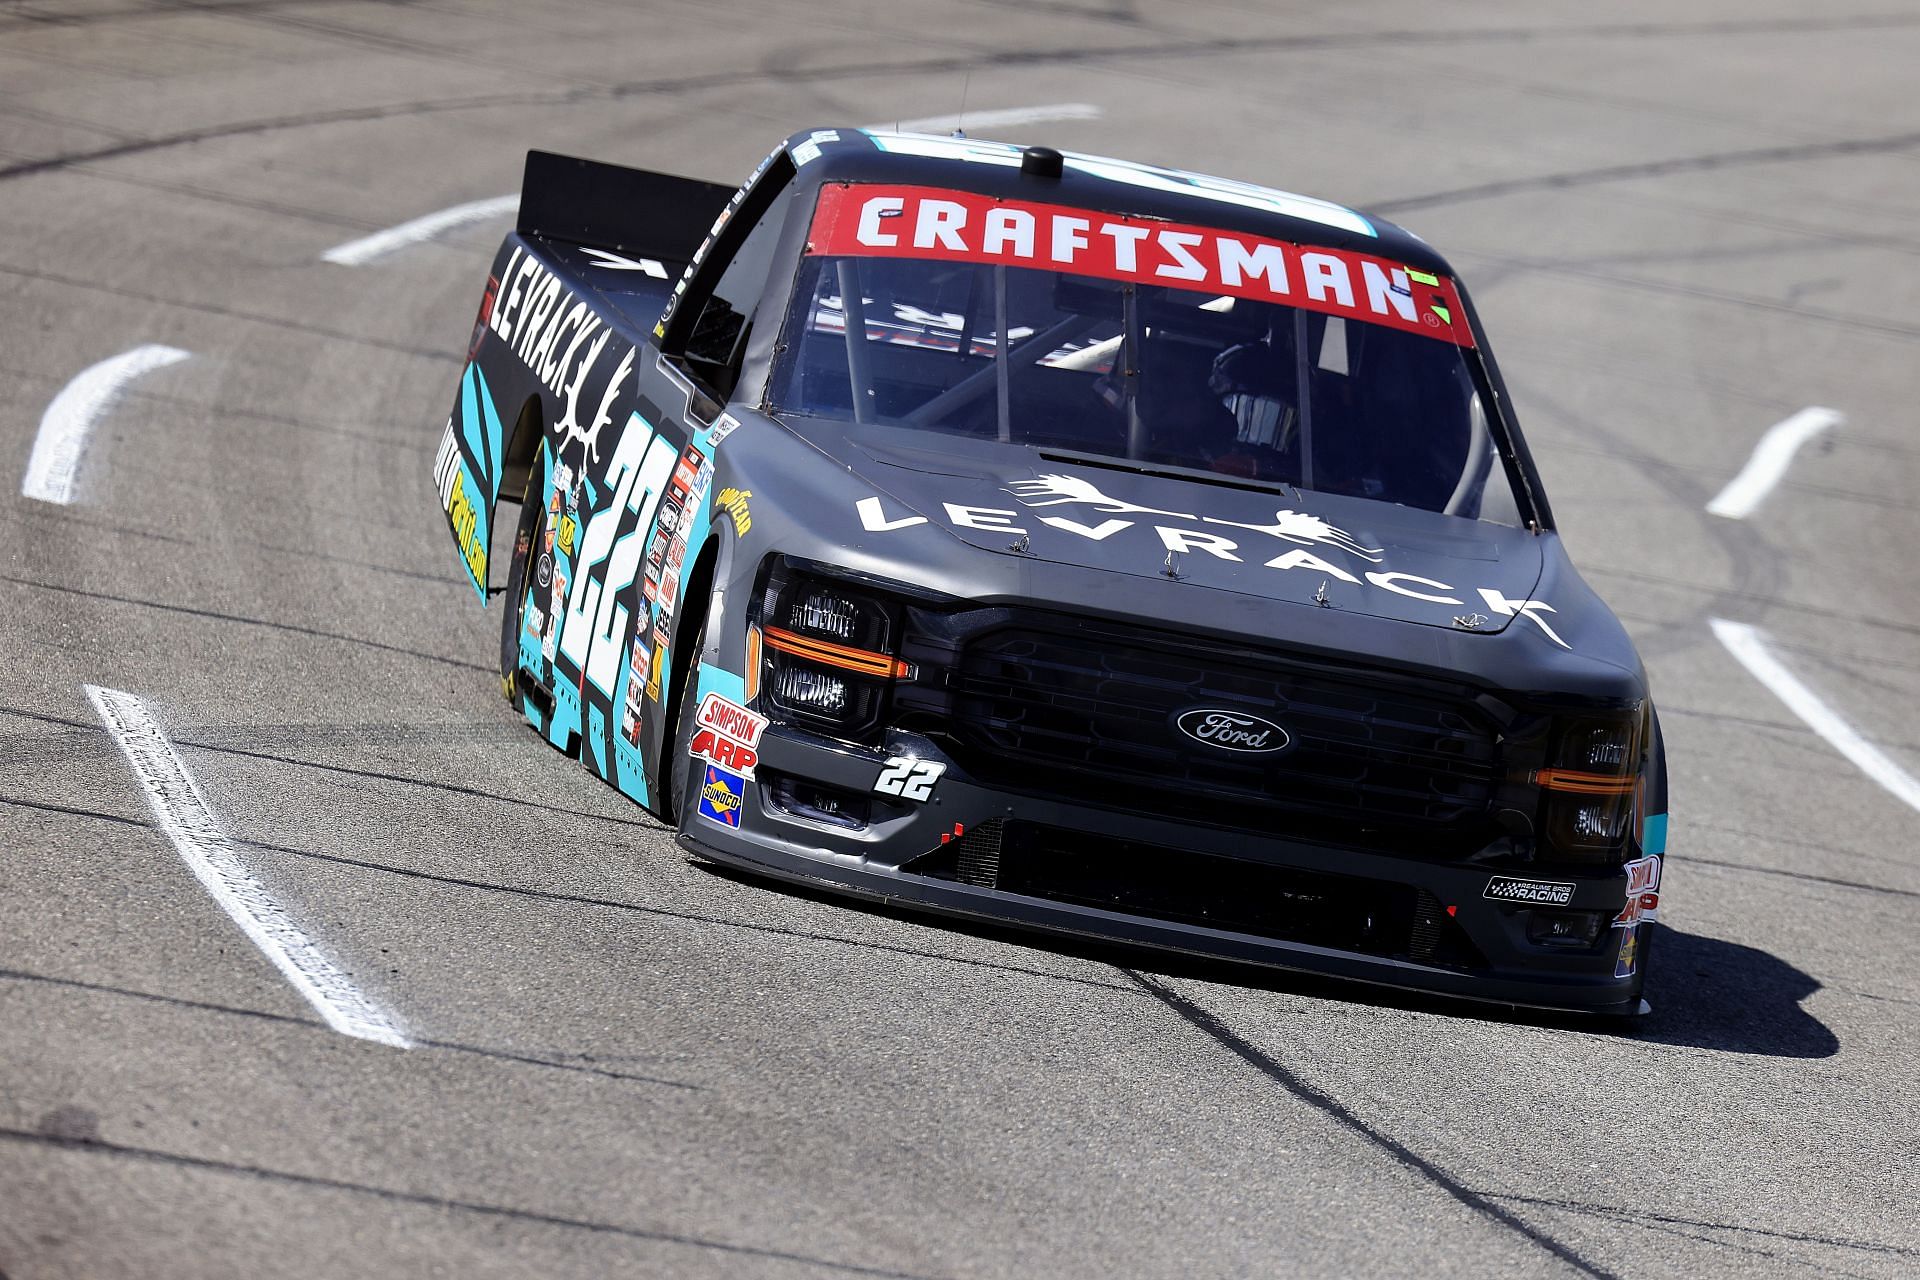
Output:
[[1087, 712]]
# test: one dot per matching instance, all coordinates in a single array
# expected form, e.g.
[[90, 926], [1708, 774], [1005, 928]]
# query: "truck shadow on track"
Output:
[[1706, 993], [1711, 994]]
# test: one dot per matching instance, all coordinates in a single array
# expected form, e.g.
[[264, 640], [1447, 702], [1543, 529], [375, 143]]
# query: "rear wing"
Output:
[[631, 211]]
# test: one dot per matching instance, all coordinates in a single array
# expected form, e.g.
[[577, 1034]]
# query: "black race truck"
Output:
[[1064, 542]]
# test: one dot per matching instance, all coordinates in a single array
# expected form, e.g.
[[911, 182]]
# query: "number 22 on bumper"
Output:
[[908, 778]]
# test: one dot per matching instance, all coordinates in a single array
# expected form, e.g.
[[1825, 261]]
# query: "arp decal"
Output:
[[727, 734], [958, 226], [908, 778], [1553, 893], [720, 796]]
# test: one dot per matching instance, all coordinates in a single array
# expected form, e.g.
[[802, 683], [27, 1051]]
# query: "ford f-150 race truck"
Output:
[[1065, 542]]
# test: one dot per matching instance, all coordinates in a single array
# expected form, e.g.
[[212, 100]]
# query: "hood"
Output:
[[1315, 550]]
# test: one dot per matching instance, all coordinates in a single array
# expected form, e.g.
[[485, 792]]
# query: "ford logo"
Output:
[[1233, 730]]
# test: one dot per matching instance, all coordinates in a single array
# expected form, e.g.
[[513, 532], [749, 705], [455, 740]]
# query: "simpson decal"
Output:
[[1557, 893], [727, 734], [958, 226], [720, 796], [731, 719]]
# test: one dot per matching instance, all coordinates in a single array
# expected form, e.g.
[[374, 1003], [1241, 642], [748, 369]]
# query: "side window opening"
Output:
[[708, 335]]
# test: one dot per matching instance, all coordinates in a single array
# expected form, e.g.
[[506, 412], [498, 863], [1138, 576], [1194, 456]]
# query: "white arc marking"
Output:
[[1748, 645], [189, 824], [357, 253], [996, 119], [63, 427], [1770, 460]]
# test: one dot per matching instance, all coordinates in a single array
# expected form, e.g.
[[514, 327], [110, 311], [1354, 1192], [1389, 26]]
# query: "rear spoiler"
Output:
[[610, 207]]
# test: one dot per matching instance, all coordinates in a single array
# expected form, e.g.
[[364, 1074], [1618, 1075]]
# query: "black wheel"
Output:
[[533, 519], [680, 768]]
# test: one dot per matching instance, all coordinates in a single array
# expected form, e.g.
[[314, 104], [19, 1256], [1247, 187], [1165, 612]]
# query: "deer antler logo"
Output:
[[569, 425], [1054, 490], [1308, 531]]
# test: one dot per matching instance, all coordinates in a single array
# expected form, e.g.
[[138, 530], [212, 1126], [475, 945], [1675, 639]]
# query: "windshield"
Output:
[[1098, 356]]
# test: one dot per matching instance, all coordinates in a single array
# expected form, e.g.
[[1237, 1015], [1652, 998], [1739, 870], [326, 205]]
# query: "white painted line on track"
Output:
[[1770, 460], [995, 119], [183, 814], [1748, 646], [55, 463], [357, 253]]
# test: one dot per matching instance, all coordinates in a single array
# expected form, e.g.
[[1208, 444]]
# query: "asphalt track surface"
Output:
[[1683, 224]]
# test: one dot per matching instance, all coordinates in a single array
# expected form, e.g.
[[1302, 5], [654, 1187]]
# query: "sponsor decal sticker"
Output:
[[1553, 893], [717, 748], [466, 525], [1233, 731], [957, 226], [723, 426], [730, 718], [720, 795], [637, 666], [1643, 893], [550, 642], [1643, 906], [1629, 954], [734, 503], [727, 734]]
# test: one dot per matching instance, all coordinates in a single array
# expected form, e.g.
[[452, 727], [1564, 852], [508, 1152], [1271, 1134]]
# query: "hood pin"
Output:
[[1020, 544], [1171, 566], [1470, 621], [1320, 596]]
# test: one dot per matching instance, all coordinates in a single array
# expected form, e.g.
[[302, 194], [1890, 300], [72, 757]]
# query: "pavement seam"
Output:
[[176, 1159], [1210, 1025]]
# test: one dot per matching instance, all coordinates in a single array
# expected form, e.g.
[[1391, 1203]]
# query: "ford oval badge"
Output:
[[1233, 731]]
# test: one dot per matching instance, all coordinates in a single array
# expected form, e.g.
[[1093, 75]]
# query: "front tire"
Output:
[[680, 768]]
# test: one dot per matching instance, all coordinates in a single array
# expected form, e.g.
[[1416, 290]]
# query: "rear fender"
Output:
[[467, 471]]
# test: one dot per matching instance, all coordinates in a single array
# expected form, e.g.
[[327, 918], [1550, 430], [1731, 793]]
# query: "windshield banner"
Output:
[[959, 226]]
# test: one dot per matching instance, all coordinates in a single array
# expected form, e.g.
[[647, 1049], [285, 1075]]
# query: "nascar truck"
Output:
[[1064, 542]]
